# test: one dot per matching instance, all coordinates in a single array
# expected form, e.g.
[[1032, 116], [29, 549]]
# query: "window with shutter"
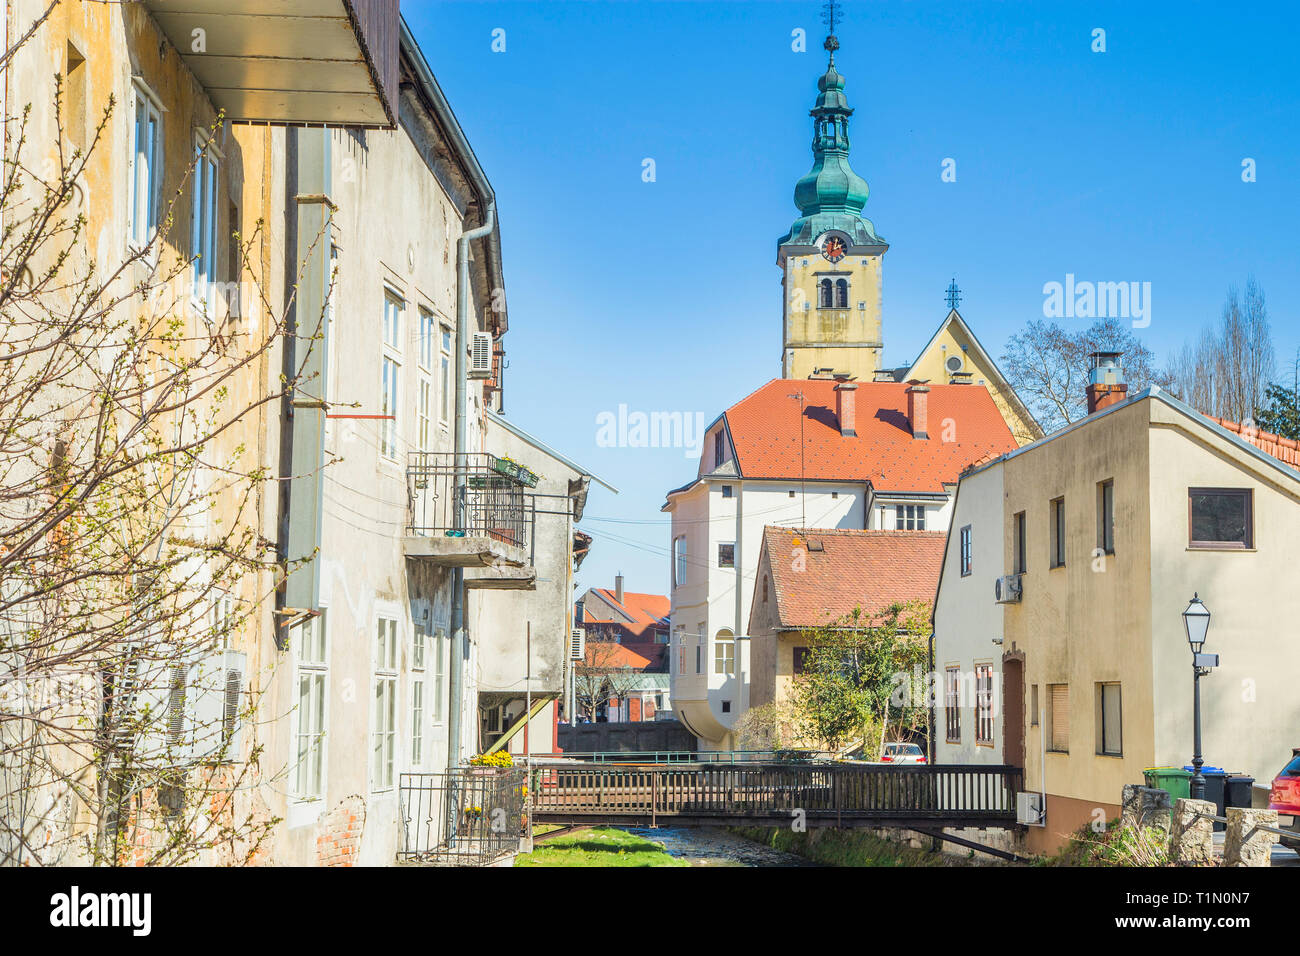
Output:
[[1058, 533], [1059, 717], [984, 703], [952, 704], [1019, 531], [1110, 734]]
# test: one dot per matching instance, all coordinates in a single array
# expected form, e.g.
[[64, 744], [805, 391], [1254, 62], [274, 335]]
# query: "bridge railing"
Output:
[[844, 791], [681, 756]]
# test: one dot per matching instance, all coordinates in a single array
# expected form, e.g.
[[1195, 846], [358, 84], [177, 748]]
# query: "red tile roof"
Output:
[[653, 652], [611, 655], [964, 426], [1283, 449], [853, 569], [646, 612]]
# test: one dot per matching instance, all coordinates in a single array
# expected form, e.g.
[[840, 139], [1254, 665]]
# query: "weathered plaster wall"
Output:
[[819, 338]]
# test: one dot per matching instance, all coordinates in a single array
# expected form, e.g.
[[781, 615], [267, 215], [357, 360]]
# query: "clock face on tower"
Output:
[[833, 248]]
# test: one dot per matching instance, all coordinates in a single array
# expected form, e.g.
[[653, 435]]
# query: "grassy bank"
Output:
[[844, 847], [599, 847]]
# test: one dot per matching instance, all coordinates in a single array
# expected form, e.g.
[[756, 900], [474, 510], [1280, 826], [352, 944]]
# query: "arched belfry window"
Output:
[[824, 294], [841, 293]]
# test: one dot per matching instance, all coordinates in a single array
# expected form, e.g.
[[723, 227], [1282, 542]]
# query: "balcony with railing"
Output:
[[332, 62], [476, 513]]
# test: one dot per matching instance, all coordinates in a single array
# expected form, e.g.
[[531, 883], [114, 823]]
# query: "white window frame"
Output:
[[383, 699], [204, 212], [420, 641], [724, 656], [440, 646], [390, 379], [144, 198], [424, 378], [911, 517], [311, 655], [679, 560], [445, 342]]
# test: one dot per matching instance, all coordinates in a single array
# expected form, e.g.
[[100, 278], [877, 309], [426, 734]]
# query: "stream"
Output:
[[711, 846]]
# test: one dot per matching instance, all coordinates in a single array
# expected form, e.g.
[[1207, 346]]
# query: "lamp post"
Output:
[[1196, 621]]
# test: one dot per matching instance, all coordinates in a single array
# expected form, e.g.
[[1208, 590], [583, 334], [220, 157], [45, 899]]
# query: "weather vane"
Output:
[[831, 16], [954, 295]]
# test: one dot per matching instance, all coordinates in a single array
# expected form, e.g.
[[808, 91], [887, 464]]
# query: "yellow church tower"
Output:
[[831, 257]]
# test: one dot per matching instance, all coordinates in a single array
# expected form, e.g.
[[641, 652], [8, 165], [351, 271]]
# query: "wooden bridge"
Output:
[[833, 794]]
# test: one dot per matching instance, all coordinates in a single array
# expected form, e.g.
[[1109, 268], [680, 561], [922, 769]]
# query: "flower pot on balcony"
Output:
[[512, 469]]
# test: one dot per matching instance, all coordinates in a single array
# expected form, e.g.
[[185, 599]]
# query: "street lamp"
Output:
[[1196, 621]]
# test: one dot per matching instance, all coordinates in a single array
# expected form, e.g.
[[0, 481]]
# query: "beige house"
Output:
[[1102, 534], [815, 578]]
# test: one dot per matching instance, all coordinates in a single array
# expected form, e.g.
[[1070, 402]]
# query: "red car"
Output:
[[1285, 798]]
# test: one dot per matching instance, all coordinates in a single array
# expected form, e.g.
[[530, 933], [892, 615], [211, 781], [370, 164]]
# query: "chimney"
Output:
[[618, 587], [1106, 385], [845, 410], [918, 414]]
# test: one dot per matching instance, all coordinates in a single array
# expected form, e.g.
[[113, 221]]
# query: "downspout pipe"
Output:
[[459, 636]]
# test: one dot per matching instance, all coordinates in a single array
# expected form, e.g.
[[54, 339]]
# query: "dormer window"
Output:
[[719, 448]]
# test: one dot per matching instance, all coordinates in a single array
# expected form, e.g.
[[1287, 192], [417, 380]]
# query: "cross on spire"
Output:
[[831, 16], [954, 295]]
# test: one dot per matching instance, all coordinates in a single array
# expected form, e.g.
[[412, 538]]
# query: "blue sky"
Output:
[[665, 296]]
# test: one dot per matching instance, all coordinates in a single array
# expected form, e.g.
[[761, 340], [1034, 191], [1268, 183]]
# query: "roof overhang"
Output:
[[290, 62]]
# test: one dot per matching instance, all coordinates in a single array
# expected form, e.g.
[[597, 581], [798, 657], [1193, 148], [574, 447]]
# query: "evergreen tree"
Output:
[[1280, 412]]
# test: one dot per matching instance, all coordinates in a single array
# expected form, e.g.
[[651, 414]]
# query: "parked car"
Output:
[[1285, 798], [902, 753]]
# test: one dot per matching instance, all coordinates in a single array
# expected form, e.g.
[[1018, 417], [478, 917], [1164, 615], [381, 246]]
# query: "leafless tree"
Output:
[[1227, 371], [599, 678], [1047, 365], [130, 554]]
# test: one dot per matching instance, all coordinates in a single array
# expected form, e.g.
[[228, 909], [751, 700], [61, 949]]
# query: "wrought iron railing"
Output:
[[482, 496], [474, 816]]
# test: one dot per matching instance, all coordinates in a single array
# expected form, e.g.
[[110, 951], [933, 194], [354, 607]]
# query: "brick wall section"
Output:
[[340, 833]]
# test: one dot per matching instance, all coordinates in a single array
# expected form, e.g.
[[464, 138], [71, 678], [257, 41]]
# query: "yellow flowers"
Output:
[[499, 759]]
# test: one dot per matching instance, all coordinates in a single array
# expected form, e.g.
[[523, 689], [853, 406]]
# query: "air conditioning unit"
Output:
[[1007, 589], [1029, 809], [216, 699], [577, 644], [480, 355], [147, 701]]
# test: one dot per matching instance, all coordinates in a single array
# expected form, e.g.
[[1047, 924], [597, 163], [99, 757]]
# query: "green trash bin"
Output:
[[1173, 780]]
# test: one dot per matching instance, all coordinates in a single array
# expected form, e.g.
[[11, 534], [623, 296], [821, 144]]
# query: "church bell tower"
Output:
[[831, 257]]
